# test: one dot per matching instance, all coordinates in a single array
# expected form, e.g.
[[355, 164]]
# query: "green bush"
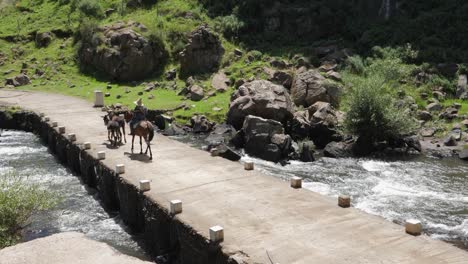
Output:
[[18, 201], [230, 26], [87, 8], [372, 114], [355, 64]]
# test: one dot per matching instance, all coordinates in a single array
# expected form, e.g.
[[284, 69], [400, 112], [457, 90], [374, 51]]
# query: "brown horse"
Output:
[[115, 117], [145, 130], [113, 130]]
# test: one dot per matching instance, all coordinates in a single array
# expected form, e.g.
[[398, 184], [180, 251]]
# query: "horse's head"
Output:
[[106, 119], [128, 115]]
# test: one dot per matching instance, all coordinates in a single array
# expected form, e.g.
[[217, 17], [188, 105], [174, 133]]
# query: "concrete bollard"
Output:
[[47, 119], [61, 130], [296, 182], [145, 185], [54, 124], [98, 98], [344, 201], [176, 207], [249, 165], [216, 234], [120, 169], [413, 227], [87, 145], [101, 155], [72, 137]]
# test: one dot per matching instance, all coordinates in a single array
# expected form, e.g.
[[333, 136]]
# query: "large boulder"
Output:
[[196, 93], [221, 133], [338, 150], [260, 98], [202, 54], [265, 138], [318, 123], [310, 87], [122, 54]]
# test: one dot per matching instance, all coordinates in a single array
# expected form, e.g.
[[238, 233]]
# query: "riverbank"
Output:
[[254, 209]]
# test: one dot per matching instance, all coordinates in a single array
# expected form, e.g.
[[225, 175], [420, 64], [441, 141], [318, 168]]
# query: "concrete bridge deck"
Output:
[[262, 216]]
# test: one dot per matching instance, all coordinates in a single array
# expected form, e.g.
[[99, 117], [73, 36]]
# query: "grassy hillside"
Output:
[[172, 21]]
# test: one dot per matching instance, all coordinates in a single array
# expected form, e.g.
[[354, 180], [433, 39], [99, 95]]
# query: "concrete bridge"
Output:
[[264, 220]]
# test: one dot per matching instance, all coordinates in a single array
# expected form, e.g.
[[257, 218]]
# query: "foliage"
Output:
[[372, 113], [87, 8], [355, 64], [230, 26], [19, 199]]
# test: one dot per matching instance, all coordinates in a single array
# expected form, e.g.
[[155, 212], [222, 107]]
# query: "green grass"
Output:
[[18, 201]]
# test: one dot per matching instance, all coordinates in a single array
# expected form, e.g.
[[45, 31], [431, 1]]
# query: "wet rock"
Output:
[[222, 150], [260, 98], [310, 87], [463, 154], [337, 150], [196, 93], [450, 141], [123, 54], [43, 39], [222, 133], [203, 52], [201, 124], [265, 138]]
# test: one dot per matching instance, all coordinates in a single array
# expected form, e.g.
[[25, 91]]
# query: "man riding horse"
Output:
[[139, 114]]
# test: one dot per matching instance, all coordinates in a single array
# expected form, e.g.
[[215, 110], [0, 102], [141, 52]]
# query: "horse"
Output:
[[144, 129], [121, 120], [113, 130]]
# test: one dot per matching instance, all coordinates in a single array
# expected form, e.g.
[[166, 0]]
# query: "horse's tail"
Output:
[[151, 133]]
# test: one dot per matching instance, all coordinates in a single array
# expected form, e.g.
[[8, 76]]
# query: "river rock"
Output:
[[337, 150], [123, 54], [265, 138], [222, 150], [463, 154], [260, 98], [318, 123], [43, 39], [201, 124], [450, 141], [203, 53], [310, 87], [196, 93], [222, 133]]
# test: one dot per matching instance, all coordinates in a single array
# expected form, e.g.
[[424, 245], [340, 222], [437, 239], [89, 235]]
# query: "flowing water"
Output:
[[435, 191], [79, 209]]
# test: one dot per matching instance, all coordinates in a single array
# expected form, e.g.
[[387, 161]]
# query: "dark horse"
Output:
[[113, 130], [121, 120], [144, 129]]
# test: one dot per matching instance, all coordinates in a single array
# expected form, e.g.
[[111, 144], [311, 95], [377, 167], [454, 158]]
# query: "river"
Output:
[[433, 190], [79, 209]]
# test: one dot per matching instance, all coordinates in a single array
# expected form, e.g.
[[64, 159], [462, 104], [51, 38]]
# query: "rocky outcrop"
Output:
[[202, 54], [265, 138], [260, 98], [122, 54], [318, 123], [310, 87]]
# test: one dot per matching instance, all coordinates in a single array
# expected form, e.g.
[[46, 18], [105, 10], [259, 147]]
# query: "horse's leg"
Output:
[[123, 129], [133, 140], [149, 147], [109, 135], [141, 146]]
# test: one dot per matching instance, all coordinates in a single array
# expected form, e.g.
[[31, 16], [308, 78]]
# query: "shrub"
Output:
[[355, 64], [87, 8], [230, 26], [372, 114], [18, 201]]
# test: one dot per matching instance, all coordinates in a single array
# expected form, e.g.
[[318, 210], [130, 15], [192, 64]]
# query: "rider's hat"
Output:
[[139, 102]]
